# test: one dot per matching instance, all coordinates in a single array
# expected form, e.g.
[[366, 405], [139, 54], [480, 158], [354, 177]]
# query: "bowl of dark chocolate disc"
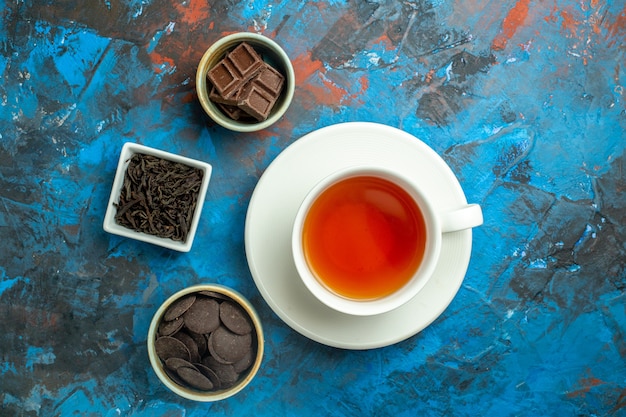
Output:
[[205, 343], [245, 82]]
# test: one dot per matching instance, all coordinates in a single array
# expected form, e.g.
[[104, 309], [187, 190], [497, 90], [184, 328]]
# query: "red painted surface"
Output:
[[513, 20]]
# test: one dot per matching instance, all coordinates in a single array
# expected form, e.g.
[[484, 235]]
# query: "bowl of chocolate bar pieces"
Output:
[[245, 82], [205, 343], [157, 197]]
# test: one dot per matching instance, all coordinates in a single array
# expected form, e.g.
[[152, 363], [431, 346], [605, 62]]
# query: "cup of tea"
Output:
[[366, 240]]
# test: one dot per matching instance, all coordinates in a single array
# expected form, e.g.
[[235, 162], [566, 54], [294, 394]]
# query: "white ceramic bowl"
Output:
[[244, 379], [111, 226], [272, 53]]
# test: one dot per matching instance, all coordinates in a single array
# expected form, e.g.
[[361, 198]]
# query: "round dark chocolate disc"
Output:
[[203, 316], [235, 318], [190, 343], [209, 373], [245, 362], [175, 363], [224, 372], [169, 347], [168, 328], [229, 347], [201, 342], [194, 378], [178, 307], [174, 377]]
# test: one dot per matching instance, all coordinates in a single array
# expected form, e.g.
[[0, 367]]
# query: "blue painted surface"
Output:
[[524, 100]]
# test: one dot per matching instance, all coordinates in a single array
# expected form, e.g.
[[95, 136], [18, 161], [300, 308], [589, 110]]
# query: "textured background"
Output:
[[524, 99]]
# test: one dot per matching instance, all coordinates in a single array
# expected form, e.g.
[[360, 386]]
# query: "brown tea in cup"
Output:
[[364, 237]]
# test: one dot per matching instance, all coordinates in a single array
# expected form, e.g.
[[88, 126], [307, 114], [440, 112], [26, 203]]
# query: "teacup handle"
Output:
[[463, 218]]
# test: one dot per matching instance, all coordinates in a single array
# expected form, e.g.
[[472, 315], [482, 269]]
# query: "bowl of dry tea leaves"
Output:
[[205, 343], [157, 197]]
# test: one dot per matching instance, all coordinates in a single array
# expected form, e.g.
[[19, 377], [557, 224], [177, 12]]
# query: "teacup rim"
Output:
[[383, 304]]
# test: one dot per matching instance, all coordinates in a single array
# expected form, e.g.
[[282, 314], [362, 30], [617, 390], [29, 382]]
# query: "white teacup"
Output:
[[366, 240]]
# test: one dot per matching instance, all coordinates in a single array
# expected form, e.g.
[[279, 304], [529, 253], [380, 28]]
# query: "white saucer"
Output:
[[273, 207]]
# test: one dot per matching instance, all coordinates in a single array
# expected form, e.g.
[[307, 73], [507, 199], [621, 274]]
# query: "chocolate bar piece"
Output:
[[234, 112], [270, 80], [256, 102], [235, 69], [246, 60], [260, 94], [230, 100], [224, 77]]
